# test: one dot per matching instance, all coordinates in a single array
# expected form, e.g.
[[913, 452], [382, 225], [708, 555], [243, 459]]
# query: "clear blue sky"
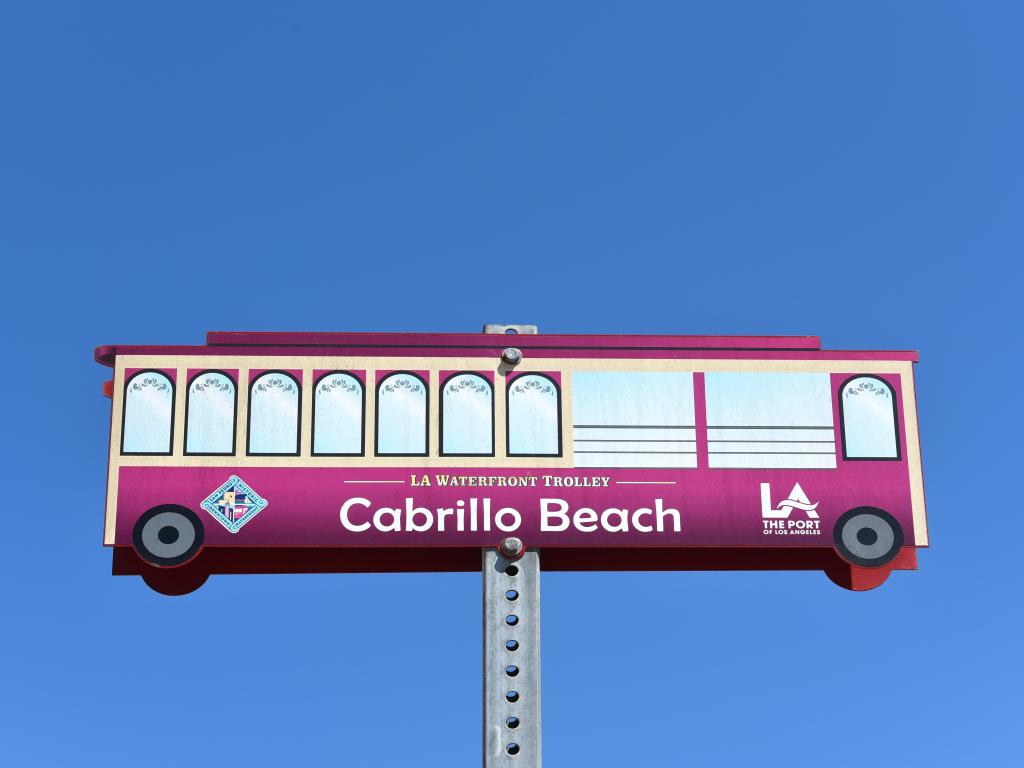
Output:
[[852, 170]]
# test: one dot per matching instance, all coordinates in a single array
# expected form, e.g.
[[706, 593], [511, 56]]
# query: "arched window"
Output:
[[868, 412], [533, 411], [402, 415], [210, 415], [148, 414], [338, 415], [274, 414], [467, 416]]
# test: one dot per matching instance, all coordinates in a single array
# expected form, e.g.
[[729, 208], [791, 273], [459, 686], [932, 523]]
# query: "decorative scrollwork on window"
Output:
[[337, 383], [400, 383], [467, 384], [275, 382], [532, 384], [867, 386], [211, 382], [140, 383]]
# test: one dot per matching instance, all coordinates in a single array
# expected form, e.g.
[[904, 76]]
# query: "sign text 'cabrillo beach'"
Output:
[[482, 514], [473, 514]]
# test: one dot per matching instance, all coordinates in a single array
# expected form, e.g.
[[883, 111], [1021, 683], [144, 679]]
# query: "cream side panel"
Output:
[[306, 396], [433, 412], [241, 420], [370, 427], [566, 415], [500, 431], [180, 393], [113, 460], [914, 465]]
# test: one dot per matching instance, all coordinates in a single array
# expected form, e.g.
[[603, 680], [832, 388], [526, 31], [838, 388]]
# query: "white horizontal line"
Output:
[[374, 481], [645, 482]]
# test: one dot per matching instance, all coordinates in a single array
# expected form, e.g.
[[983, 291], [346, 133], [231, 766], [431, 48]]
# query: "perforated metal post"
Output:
[[511, 660]]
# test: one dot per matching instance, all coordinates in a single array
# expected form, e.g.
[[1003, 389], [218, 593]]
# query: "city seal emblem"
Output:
[[234, 504]]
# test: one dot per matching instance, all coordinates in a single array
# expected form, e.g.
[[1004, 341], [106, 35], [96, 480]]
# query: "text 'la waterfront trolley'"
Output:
[[335, 452]]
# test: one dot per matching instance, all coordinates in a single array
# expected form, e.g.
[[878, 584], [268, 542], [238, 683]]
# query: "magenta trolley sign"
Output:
[[333, 452]]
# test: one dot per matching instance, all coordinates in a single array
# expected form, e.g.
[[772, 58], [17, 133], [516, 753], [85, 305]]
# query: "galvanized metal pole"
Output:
[[511, 660]]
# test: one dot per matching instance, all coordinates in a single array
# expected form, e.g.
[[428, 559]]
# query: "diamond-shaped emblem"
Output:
[[234, 504]]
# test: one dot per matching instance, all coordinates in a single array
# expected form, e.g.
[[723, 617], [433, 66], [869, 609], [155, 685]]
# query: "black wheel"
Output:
[[868, 537], [168, 535]]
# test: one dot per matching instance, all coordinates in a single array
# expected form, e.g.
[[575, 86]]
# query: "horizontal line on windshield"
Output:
[[660, 453], [639, 440], [634, 426], [772, 453], [714, 427], [726, 440]]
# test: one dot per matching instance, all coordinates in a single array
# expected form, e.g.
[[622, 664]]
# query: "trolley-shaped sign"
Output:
[[333, 452]]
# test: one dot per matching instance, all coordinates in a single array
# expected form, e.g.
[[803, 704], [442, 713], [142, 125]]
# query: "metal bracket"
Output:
[[511, 330], [511, 660]]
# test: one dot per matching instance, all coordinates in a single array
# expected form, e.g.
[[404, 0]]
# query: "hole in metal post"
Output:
[[512, 645], [512, 696], [511, 595], [511, 619], [512, 570], [512, 722], [511, 670], [512, 749]]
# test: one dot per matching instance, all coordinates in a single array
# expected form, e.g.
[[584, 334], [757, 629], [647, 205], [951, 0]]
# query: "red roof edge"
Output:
[[274, 343], [105, 355], [526, 341]]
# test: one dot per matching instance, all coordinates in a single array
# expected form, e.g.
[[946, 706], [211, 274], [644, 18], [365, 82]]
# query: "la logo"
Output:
[[797, 500]]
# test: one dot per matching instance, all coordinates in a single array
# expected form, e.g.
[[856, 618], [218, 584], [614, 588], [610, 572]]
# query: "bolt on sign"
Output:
[[343, 452]]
